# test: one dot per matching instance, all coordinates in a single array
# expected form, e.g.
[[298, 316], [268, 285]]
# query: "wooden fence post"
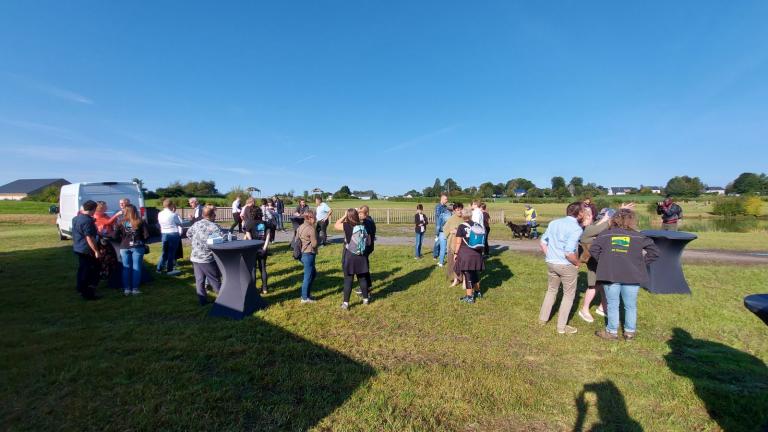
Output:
[[502, 216], [387, 216]]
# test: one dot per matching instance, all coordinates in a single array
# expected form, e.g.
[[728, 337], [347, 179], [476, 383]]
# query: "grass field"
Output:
[[414, 359]]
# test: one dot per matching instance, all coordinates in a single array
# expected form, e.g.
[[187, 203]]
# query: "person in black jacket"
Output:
[[622, 254], [85, 248], [670, 212], [354, 263], [420, 222]]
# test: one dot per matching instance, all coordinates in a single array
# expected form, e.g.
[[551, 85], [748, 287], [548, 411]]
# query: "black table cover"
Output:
[[238, 296], [666, 273]]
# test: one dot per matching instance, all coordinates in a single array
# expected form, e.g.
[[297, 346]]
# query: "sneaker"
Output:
[[467, 299], [126, 292], [159, 271], [345, 306], [365, 301], [135, 292], [603, 334], [359, 292], [264, 291], [478, 294], [629, 336], [308, 300], [600, 311], [173, 273], [440, 264], [586, 317], [567, 330]]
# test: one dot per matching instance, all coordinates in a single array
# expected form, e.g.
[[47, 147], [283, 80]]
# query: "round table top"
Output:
[[757, 302], [236, 245], [671, 235]]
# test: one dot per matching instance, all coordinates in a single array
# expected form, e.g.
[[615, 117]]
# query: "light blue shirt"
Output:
[[562, 238], [322, 211]]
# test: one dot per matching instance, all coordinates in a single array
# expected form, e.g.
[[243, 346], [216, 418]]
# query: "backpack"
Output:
[[475, 236], [296, 246], [359, 240]]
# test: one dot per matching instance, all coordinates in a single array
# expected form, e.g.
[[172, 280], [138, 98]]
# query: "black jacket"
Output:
[[669, 214], [419, 223], [619, 255]]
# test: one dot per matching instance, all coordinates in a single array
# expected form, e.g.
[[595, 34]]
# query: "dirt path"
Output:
[[530, 246]]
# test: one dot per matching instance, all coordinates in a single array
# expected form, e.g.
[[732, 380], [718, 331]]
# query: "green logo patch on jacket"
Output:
[[620, 244]]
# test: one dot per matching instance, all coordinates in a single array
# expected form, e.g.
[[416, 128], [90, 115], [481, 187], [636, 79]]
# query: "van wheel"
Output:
[[61, 235]]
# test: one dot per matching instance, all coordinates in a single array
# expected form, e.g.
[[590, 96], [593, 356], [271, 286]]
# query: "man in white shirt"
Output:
[[323, 217], [197, 213], [170, 228], [236, 216]]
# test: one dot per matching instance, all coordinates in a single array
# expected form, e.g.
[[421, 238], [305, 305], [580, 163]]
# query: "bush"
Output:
[[729, 206], [753, 206], [49, 195], [235, 192]]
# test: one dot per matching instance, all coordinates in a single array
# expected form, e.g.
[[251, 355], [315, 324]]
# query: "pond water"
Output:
[[713, 224]]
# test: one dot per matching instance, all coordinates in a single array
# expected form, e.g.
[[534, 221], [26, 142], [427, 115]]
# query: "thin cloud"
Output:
[[305, 159], [54, 91], [420, 139]]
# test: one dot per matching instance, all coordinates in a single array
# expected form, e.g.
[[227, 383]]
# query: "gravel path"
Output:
[[531, 246]]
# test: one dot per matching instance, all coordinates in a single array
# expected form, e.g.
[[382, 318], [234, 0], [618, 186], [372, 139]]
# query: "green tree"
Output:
[[576, 185], [747, 183], [451, 187], [437, 187], [684, 186], [558, 182], [486, 190], [753, 206], [534, 192], [237, 191], [342, 193], [175, 189]]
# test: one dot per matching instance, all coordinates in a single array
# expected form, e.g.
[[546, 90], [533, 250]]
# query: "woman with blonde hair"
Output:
[[622, 254]]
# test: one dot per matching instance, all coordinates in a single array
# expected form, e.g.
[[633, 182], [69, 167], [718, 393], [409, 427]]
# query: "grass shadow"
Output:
[[495, 274], [403, 282], [732, 384], [611, 409]]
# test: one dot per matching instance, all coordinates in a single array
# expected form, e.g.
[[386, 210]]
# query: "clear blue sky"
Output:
[[383, 95]]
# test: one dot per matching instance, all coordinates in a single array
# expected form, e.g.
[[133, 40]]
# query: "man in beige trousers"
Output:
[[560, 244]]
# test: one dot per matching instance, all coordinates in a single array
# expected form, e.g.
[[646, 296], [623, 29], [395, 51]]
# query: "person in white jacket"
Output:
[[170, 228]]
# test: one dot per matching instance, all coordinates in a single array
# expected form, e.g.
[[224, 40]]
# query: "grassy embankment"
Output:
[[414, 359]]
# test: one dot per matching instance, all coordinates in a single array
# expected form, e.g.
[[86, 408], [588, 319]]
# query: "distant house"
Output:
[[22, 188], [621, 190], [520, 192], [363, 196], [654, 189], [715, 190], [409, 196]]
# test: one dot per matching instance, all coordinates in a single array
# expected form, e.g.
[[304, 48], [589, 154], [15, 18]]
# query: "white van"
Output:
[[74, 195]]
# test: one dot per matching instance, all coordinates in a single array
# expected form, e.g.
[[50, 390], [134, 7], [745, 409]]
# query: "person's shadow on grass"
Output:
[[611, 408], [732, 384]]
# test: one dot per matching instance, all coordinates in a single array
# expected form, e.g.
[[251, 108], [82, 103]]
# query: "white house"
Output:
[[654, 189], [621, 190], [715, 190]]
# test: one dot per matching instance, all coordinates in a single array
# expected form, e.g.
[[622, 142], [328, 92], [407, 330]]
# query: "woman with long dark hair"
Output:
[[258, 229], [355, 263], [133, 235]]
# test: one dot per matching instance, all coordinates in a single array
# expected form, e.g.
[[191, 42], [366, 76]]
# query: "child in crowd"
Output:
[[420, 220]]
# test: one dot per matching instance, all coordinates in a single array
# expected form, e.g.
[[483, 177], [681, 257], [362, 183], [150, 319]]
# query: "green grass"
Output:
[[414, 359], [24, 207]]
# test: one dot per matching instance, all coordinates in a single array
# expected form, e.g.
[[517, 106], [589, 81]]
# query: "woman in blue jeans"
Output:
[[622, 254], [133, 235], [307, 235]]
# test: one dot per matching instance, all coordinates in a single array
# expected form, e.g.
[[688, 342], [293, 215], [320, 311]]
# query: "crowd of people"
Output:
[[607, 242]]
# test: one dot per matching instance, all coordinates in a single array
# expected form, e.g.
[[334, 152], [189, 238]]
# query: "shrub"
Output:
[[729, 206], [753, 206], [49, 194]]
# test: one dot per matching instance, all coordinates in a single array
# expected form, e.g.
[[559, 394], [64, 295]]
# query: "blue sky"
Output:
[[383, 95]]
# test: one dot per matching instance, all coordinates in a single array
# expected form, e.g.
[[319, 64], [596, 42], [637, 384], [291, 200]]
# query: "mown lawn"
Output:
[[414, 359], [24, 207]]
